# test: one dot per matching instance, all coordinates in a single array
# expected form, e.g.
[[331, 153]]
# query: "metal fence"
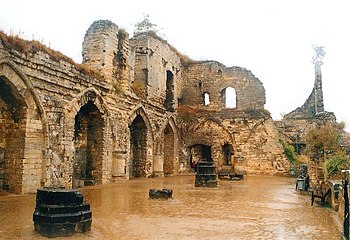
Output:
[[345, 183]]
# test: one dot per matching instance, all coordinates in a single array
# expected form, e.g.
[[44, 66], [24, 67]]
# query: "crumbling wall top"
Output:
[[100, 45], [214, 78]]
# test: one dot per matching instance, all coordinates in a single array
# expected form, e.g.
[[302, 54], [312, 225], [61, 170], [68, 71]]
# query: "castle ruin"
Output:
[[136, 107]]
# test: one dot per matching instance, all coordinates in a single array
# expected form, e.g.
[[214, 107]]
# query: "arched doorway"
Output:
[[138, 148], [168, 164], [200, 153], [13, 119], [88, 145]]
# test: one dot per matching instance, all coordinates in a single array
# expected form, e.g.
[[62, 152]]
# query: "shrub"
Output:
[[145, 26], [335, 164], [288, 151], [323, 140]]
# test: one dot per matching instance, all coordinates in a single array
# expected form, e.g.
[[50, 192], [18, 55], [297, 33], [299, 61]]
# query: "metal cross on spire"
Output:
[[317, 59]]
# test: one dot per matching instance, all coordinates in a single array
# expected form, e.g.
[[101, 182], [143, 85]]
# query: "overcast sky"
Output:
[[272, 38]]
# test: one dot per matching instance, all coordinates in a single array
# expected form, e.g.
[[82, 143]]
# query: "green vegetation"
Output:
[[139, 88], [24, 46], [323, 140], [335, 164], [288, 151], [323, 144], [145, 26], [117, 89]]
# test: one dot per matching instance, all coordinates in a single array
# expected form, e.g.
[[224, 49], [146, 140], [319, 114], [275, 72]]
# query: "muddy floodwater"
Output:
[[255, 208]]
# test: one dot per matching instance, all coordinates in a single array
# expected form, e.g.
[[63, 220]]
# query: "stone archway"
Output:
[[200, 153], [88, 145], [13, 116], [86, 125], [141, 144], [169, 147], [22, 132], [138, 147]]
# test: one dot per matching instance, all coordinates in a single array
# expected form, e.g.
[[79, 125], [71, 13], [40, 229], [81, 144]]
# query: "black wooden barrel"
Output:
[[61, 212]]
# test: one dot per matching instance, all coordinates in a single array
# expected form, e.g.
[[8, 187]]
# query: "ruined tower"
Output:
[[314, 104], [317, 61], [100, 47], [298, 122]]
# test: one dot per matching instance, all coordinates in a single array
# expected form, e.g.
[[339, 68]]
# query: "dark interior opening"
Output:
[[227, 151], [200, 153], [168, 166], [13, 111], [88, 139], [169, 94], [138, 132]]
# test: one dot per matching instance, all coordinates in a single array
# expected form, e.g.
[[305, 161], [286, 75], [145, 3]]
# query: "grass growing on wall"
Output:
[[26, 47], [117, 89], [139, 89]]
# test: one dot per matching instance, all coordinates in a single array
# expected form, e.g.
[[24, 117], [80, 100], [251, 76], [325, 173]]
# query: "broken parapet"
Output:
[[61, 212]]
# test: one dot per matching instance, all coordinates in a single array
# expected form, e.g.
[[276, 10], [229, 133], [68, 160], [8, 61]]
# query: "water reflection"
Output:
[[256, 208]]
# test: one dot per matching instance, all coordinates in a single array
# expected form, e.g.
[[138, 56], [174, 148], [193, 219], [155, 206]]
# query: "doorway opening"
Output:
[[88, 144], [138, 136]]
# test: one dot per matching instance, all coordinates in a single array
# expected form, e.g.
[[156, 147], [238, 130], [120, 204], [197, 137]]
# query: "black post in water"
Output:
[[346, 205]]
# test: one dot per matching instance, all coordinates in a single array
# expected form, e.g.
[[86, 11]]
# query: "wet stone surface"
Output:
[[255, 208]]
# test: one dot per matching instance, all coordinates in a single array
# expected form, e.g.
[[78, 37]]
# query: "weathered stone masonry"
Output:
[[61, 125], [242, 138]]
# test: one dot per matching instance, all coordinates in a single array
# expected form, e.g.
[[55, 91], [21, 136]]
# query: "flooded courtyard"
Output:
[[256, 208]]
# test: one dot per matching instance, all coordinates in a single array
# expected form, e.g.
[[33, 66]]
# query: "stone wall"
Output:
[[253, 141], [214, 78], [158, 68], [119, 115]]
